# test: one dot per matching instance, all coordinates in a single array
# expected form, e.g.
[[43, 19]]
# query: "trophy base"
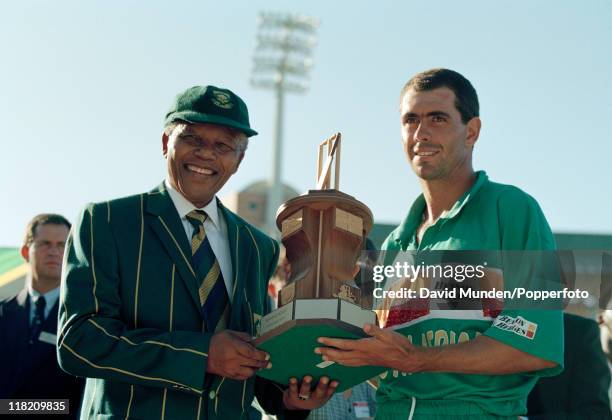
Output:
[[289, 335]]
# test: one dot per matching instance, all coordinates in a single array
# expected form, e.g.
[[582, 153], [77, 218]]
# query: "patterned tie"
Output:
[[39, 318], [212, 291]]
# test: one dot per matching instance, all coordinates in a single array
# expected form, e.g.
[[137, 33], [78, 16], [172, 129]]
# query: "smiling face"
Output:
[[200, 159], [437, 143]]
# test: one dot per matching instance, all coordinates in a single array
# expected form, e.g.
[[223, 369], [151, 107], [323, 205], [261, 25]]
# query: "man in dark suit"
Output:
[[162, 290], [581, 391], [28, 321]]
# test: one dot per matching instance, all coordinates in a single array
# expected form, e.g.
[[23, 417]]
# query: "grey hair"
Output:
[[169, 128], [242, 141]]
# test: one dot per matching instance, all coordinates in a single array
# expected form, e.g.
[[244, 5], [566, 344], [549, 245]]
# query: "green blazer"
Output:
[[130, 318]]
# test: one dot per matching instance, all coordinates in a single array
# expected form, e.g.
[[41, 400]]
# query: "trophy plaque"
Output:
[[323, 232]]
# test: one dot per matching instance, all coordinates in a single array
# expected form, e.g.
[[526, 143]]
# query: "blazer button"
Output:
[[212, 395]]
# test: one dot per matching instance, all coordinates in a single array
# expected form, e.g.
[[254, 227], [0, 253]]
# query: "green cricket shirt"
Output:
[[491, 217]]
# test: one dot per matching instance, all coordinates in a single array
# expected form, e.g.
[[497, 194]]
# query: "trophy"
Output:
[[323, 232]]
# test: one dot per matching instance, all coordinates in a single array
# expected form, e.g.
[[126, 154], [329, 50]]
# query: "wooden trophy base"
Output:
[[323, 233]]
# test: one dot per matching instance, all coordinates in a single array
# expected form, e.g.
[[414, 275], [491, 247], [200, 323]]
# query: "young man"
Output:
[[28, 321], [490, 374]]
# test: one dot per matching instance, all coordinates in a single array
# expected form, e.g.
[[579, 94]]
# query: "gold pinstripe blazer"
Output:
[[130, 318]]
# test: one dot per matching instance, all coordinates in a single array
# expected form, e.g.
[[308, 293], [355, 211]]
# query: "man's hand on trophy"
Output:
[[303, 398], [383, 348], [231, 355]]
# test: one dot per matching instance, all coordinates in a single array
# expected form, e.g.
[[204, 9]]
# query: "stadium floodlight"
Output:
[[282, 63]]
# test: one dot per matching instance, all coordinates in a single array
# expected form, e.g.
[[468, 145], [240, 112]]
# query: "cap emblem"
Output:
[[222, 99]]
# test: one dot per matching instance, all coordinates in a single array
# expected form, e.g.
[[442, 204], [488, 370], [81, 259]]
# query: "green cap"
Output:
[[212, 105]]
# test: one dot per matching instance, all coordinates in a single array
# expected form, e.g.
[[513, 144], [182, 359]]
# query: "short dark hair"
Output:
[[466, 99], [43, 219]]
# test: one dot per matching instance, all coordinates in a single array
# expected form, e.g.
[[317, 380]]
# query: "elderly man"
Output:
[[490, 368], [162, 289], [28, 321]]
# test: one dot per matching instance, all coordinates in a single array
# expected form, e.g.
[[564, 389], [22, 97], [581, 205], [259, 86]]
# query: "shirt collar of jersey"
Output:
[[184, 206], [408, 227]]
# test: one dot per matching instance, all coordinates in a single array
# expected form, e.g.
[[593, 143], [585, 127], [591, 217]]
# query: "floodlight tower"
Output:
[[282, 63]]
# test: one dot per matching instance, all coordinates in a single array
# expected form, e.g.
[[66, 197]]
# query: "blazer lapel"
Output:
[[240, 252], [22, 331], [23, 320], [166, 223], [50, 324]]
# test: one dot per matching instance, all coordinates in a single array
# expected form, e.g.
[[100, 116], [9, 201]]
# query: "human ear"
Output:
[[25, 253], [165, 139], [239, 161], [473, 131]]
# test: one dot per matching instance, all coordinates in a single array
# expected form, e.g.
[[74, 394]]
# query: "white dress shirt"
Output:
[[216, 232], [51, 298]]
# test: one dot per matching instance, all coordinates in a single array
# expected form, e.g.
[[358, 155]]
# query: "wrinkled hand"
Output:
[[310, 399], [383, 348], [230, 354]]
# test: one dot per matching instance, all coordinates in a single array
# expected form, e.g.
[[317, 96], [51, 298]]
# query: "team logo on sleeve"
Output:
[[518, 325]]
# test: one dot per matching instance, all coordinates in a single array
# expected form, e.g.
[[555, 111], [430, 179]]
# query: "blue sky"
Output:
[[84, 87]]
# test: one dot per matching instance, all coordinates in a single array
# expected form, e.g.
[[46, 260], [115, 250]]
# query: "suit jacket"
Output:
[[32, 371], [581, 390], [130, 316]]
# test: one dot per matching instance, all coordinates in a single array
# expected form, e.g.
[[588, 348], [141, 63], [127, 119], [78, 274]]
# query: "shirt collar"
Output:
[[50, 297], [481, 178], [415, 216], [184, 206]]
